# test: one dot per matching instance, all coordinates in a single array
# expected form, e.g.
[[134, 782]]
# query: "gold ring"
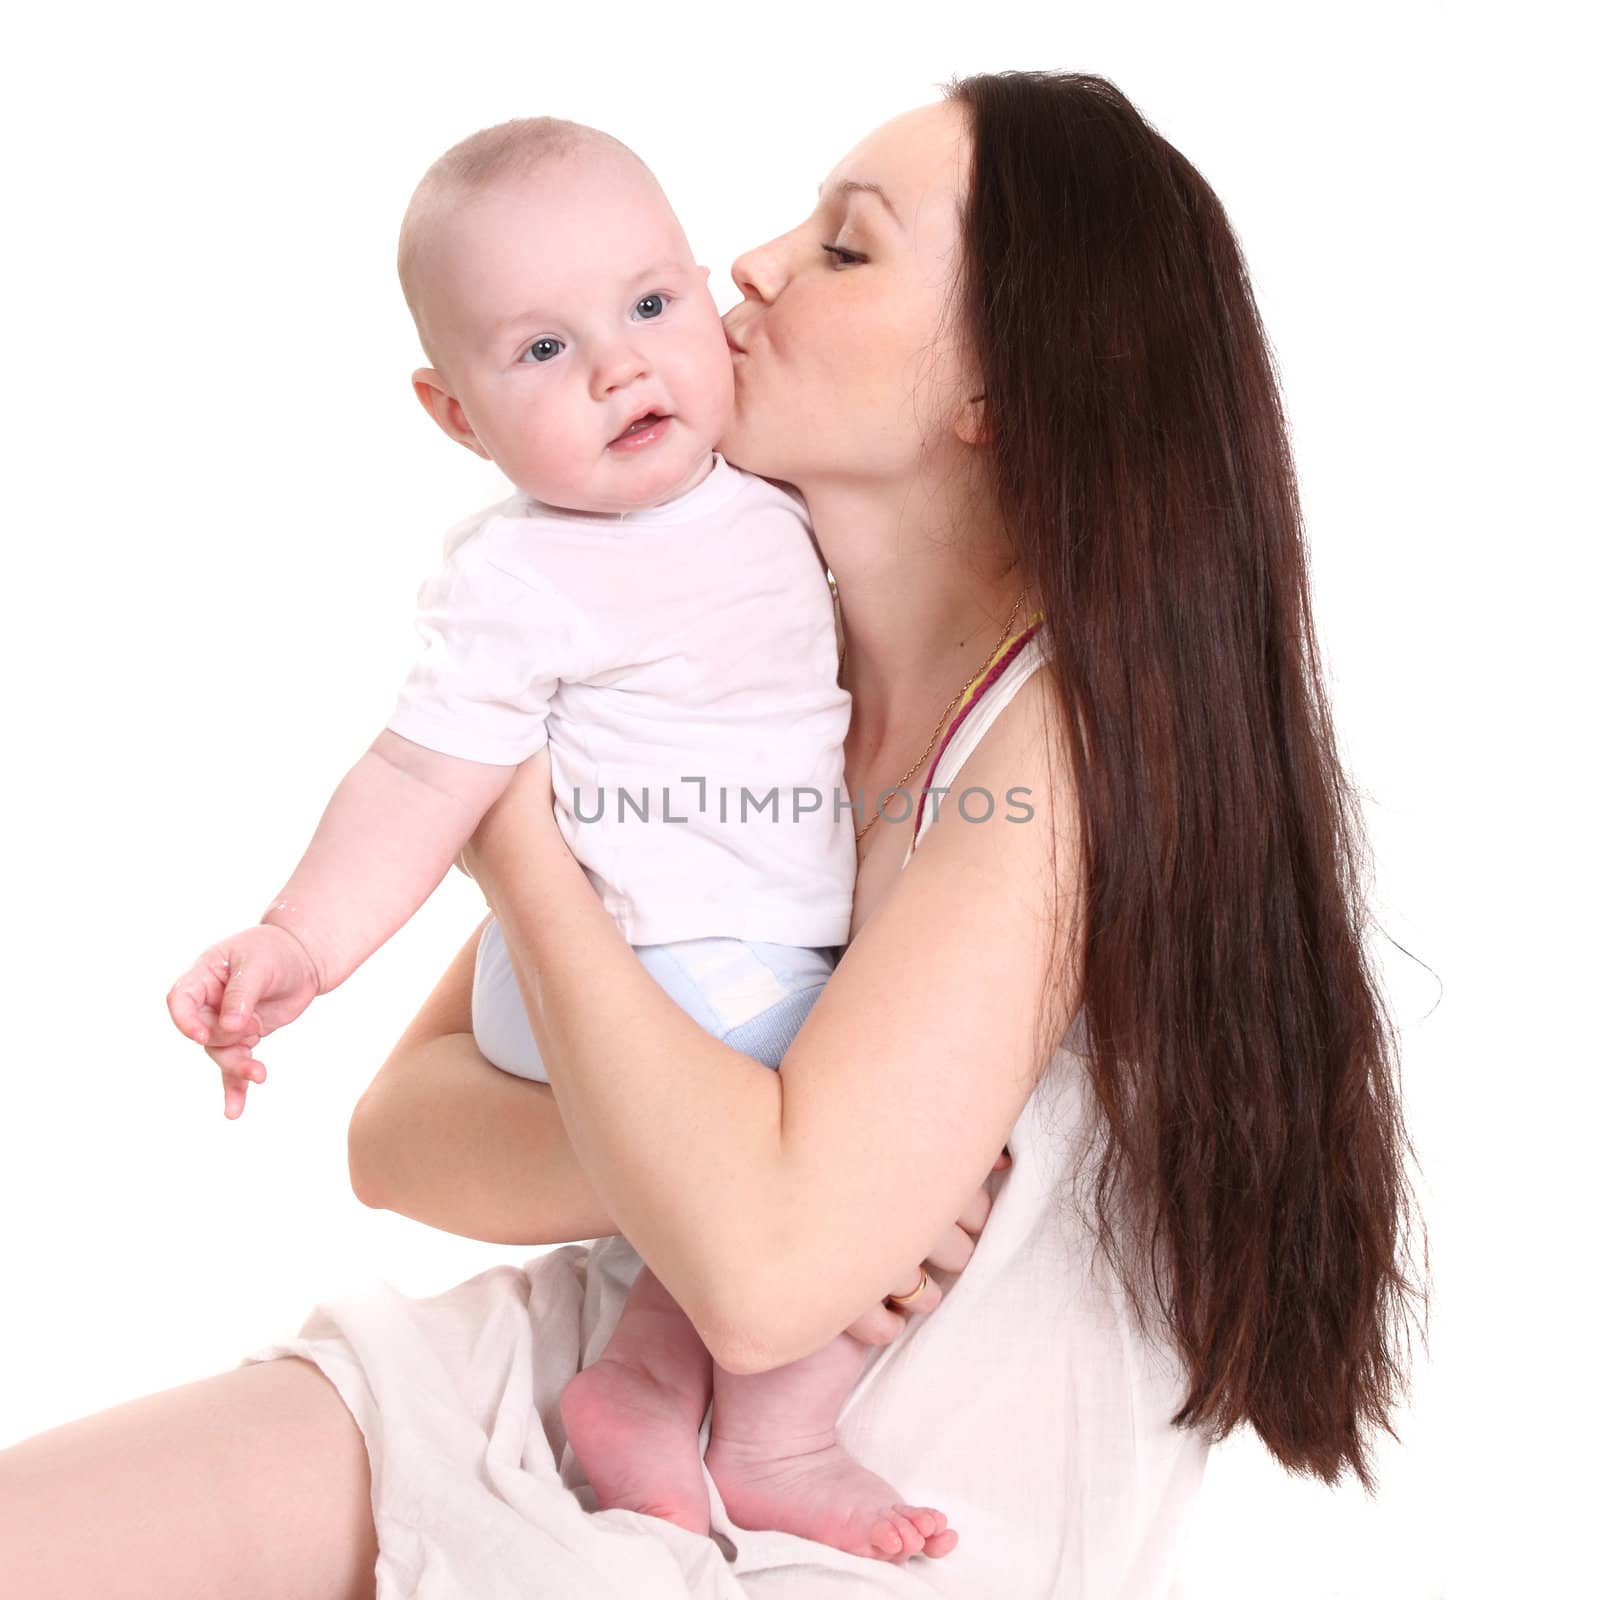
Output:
[[901, 1299]]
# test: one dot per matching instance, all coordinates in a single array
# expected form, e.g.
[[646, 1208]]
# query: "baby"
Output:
[[663, 621]]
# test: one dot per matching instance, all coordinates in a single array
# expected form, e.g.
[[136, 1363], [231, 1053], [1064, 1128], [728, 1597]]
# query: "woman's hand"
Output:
[[521, 821], [882, 1324]]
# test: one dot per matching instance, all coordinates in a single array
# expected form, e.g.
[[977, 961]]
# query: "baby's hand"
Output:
[[238, 991]]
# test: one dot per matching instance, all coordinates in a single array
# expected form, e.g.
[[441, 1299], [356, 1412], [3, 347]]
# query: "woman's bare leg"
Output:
[[252, 1484]]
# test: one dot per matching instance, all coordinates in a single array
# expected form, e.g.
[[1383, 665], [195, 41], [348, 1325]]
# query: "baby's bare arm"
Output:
[[387, 837]]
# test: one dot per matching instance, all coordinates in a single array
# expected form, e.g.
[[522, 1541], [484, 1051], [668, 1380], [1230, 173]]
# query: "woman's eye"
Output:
[[846, 257], [651, 300], [542, 350]]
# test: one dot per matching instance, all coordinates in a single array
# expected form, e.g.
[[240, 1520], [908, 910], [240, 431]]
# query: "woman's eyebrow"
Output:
[[849, 186]]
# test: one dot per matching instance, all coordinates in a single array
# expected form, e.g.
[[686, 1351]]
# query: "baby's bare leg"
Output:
[[633, 1417], [253, 1483], [776, 1464]]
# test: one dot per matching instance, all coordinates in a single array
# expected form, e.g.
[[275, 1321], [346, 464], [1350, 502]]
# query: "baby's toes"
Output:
[[911, 1540], [886, 1538], [927, 1521]]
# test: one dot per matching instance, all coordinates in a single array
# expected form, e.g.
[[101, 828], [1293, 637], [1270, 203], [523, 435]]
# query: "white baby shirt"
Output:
[[682, 664]]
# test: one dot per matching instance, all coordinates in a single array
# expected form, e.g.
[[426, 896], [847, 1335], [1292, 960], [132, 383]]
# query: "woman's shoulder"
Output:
[[1017, 677], [1013, 726]]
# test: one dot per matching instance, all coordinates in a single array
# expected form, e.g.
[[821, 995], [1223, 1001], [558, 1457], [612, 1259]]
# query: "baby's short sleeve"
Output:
[[495, 645]]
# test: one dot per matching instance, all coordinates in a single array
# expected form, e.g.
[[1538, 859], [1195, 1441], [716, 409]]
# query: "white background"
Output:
[[220, 495]]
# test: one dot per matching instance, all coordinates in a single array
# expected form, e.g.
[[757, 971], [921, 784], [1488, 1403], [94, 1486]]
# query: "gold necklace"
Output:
[[1005, 634]]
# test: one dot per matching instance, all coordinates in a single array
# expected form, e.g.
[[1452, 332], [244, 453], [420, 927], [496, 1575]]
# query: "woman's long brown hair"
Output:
[[1250, 1176]]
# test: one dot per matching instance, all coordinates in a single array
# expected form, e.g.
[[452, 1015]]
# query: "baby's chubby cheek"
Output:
[[713, 392]]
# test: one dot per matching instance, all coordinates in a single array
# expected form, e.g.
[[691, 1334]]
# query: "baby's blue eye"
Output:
[[542, 349], [652, 300]]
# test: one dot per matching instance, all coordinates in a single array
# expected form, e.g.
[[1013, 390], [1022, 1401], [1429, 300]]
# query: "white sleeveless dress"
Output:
[[1026, 1407]]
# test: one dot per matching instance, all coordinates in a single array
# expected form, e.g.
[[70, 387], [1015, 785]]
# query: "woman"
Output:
[[1013, 362]]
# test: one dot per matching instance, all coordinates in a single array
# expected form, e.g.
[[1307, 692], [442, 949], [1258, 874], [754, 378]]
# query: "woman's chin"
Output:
[[744, 447], [736, 447]]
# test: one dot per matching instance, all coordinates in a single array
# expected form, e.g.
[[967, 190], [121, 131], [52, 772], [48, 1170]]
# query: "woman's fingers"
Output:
[[877, 1325], [919, 1298], [884, 1322], [950, 1252], [953, 1249], [975, 1213], [527, 801]]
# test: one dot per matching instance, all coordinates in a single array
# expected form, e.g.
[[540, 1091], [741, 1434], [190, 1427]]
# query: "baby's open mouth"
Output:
[[648, 420]]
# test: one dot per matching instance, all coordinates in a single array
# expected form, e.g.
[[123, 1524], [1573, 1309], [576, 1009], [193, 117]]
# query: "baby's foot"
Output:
[[820, 1492], [638, 1443]]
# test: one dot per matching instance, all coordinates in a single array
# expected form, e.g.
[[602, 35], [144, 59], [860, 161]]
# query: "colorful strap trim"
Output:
[[998, 662]]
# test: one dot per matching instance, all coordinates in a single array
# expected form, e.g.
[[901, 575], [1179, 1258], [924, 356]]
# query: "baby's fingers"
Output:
[[246, 980], [192, 1001], [239, 1070]]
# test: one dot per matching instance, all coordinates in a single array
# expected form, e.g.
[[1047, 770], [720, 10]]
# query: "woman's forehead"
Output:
[[917, 156]]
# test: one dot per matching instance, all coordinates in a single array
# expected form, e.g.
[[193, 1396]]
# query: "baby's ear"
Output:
[[429, 387]]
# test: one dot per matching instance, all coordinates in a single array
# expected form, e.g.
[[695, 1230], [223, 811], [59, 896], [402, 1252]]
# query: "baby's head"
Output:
[[557, 299]]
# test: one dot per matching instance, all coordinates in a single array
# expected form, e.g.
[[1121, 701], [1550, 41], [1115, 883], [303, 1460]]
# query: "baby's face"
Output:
[[560, 307]]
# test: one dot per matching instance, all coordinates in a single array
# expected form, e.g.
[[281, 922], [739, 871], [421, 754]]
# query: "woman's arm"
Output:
[[773, 1206], [446, 1138]]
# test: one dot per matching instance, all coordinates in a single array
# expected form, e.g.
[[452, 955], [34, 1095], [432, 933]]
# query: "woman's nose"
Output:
[[758, 273]]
